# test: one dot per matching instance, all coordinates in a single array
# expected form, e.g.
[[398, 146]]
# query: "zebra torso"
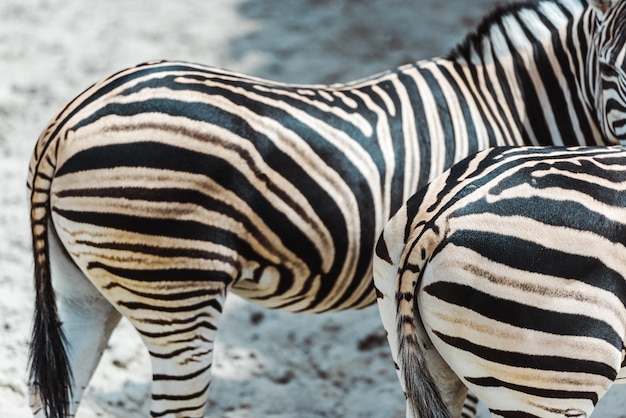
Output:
[[289, 185], [516, 262]]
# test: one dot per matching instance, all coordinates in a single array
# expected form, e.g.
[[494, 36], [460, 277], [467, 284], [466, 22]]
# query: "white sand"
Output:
[[268, 364]]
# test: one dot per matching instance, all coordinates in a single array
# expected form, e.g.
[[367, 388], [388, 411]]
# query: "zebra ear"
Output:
[[601, 6]]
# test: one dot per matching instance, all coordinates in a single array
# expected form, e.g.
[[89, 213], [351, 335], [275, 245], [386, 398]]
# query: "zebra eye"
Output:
[[608, 70]]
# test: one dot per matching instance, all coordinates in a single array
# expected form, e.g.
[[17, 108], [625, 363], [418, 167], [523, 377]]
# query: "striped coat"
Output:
[[507, 276], [170, 184]]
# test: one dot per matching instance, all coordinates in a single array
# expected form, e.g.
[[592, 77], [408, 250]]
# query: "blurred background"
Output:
[[268, 364]]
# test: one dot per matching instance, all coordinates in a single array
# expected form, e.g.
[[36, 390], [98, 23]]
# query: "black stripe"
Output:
[[170, 295], [480, 97], [162, 156], [486, 86], [457, 171], [172, 321], [512, 414], [183, 377], [534, 257], [563, 213], [470, 127], [190, 396], [445, 117], [573, 50], [174, 353], [589, 166], [172, 252], [396, 129], [531, 100], [529, 390], [212, 303], [421, 127], [516, 125], [178, 411], [175, 331], [164, 275], [530, 361], [524, 316], [382, 251], [555, 94]]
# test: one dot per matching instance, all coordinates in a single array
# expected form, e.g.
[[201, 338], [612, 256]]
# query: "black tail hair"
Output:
[[50, 375]]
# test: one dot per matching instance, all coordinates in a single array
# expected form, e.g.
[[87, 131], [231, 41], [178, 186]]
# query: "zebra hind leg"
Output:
[[179, 336], [87, 319]]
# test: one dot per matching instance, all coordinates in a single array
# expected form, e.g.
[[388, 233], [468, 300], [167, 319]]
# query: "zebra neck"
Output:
[[535, 56]]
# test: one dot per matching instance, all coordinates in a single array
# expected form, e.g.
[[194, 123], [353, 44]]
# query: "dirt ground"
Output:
[[268, 364]]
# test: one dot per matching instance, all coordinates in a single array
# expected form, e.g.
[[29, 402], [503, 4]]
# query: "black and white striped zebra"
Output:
[[507, 275], [165, 186]]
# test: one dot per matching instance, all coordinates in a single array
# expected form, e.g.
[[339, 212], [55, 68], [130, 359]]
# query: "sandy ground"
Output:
[[268, 364]]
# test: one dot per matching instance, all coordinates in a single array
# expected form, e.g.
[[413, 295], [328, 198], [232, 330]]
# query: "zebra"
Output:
[[165, 186], [507, 275]]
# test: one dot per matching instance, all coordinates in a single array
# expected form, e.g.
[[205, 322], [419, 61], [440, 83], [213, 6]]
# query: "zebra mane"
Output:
[[475, 40]]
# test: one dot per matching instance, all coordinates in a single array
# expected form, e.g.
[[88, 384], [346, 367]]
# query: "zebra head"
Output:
[[609, 54]]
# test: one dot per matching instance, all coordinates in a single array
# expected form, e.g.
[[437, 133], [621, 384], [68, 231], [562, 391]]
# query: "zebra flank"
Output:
[[166, 186], [511, 268]]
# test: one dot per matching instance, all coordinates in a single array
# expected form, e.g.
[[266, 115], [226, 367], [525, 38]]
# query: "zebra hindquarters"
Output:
[[524, 343], [173, 301], [159, 253]]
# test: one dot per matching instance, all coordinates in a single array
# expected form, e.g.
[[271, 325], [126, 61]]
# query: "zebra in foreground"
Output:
[[165, 186], [507, 275]]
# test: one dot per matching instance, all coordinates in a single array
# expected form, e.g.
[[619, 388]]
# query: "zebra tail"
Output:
[[50, 375], [423, 396]]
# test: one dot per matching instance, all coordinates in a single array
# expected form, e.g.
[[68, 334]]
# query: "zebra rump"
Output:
[[511, 268]]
